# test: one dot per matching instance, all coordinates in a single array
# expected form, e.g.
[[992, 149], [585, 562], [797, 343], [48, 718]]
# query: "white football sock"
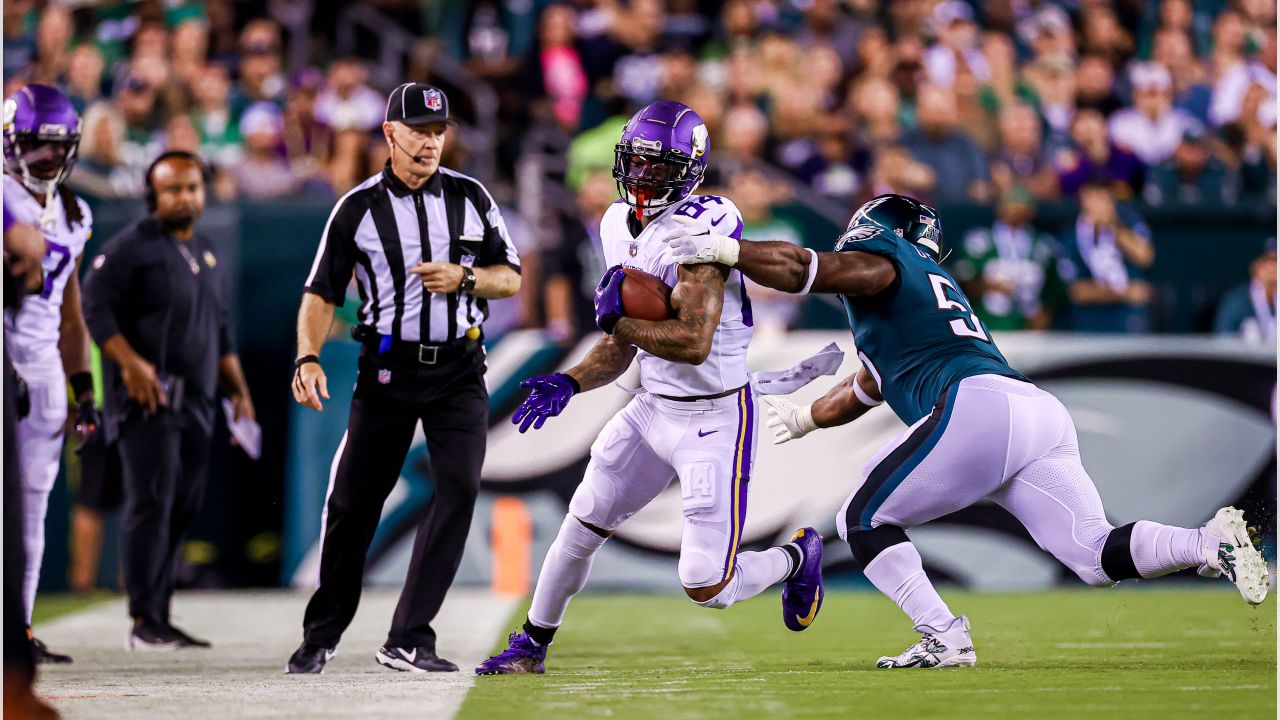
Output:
[[753, 573], [1161, 549], [898, 572], [564, 572]]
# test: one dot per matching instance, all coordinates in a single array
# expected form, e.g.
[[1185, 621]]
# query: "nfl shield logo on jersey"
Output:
[[384, 377], [635, 248], [432, 99]]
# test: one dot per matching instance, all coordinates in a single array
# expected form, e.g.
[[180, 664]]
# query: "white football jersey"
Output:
[[34, 328], [726, 366]]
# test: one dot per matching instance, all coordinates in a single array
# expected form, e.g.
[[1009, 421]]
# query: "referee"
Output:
[[429, 248]]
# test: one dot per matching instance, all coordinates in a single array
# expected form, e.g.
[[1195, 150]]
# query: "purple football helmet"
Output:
[[661, 157], [41, 135]]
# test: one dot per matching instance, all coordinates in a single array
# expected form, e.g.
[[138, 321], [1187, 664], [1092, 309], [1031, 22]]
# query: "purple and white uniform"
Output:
[[708, 444]]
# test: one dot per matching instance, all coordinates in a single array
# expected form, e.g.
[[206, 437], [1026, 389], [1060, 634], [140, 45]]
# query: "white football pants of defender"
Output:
[[709, 445], [40, 438], [1015, 444]]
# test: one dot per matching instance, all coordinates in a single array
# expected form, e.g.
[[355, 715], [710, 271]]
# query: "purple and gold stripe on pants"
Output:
[[741, 475]]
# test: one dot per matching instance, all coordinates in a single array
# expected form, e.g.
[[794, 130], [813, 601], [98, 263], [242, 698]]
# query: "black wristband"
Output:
[[81, 383], [468, 283], [609, 322], [572, 381], [306, 359]]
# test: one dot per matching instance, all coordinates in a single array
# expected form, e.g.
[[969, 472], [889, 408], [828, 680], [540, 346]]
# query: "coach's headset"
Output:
[[205, 174]]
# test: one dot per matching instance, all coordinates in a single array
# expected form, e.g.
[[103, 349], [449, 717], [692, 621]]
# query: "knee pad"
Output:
[[699, 569], [577, 540], [726, 597], [593, 501], [867, 544]]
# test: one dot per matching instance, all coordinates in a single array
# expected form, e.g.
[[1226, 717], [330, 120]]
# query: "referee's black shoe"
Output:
[[309, 659], [419, 659], [185, 640], [44, 655]]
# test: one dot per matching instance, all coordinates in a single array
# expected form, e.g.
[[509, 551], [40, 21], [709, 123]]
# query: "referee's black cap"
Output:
[[418, 104]]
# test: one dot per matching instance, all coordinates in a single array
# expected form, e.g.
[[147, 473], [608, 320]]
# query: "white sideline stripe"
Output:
[[242, 675]]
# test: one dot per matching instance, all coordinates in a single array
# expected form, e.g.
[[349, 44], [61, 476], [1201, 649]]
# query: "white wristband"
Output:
[[804, 419], [813, 272], [862, 395]]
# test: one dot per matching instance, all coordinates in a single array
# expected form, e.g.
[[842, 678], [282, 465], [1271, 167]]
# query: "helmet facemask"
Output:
[[651, 180], [39, 161]]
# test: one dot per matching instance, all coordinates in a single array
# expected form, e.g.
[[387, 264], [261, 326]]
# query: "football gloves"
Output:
[[550, 395], [609, 299], [694, 243], [788, 420]]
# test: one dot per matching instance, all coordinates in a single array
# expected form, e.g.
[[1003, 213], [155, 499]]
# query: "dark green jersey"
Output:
[[920, 336]]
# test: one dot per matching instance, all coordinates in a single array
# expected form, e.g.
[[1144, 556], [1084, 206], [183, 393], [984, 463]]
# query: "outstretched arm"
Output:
[[697, 299], [549, 394], [843, 404], [784, 266]]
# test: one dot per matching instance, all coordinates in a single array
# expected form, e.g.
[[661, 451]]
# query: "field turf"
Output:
[[1121, 653]]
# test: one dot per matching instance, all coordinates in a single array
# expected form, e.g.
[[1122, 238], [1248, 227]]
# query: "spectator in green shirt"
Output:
[[1010, 268]]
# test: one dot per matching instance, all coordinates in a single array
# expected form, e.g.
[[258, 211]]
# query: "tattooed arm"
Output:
[[603, 364], [697, 298]]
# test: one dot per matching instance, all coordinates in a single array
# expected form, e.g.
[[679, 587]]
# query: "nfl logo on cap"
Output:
[[432, 99]]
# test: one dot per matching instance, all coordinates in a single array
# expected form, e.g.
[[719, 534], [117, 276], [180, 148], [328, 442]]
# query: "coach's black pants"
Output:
[[163, 458], [390, 400]]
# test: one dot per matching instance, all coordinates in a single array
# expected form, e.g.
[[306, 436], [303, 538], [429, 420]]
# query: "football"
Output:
[[645, 296]]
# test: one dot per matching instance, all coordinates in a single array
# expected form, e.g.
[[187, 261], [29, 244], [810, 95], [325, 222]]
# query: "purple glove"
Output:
[[550, 394], [609, 299]]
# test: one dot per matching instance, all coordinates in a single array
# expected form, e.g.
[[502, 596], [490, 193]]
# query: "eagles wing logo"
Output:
[[856, 234], [432, 99]]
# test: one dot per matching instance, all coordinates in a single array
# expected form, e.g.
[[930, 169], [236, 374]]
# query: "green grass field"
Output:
[[1071, 654]]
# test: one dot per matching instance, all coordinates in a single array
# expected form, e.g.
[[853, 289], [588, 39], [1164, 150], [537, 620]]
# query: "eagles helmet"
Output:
[[909, 219], [41, 135], [661, 157]]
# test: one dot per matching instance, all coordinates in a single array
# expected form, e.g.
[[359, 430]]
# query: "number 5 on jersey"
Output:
[[964, 328]]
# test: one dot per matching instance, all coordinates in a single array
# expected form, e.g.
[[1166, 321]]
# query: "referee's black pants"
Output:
[[164, 457], [391, 398]]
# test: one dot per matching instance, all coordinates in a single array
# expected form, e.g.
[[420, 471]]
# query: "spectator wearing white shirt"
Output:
[[1152, 128], [1233, 84], [957, 47], [347, 103]]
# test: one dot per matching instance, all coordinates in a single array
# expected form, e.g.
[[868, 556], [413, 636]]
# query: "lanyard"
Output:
[[1099, 251], [1262, 310]]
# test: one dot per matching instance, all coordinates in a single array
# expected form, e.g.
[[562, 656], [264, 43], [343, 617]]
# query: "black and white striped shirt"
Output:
[[377, 232]]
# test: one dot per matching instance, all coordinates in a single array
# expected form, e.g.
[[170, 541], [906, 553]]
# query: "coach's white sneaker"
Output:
[[1227, 550], [949, 646]]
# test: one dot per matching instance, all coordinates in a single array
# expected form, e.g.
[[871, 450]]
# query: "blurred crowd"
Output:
[[1007, 103]]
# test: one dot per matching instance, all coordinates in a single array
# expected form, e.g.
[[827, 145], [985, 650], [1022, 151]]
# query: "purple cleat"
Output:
[[802, 592], [522, 656]]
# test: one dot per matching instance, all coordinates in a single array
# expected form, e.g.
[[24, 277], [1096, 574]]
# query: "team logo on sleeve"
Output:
[[432, 99], [857, 233]]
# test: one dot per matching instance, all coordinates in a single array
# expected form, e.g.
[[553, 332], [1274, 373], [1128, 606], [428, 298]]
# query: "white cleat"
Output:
[[950, 646], [1228, 551]]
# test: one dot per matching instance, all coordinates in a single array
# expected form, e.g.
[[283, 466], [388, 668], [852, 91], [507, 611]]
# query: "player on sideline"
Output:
[[48, 339], [695, 419], [990, 434]]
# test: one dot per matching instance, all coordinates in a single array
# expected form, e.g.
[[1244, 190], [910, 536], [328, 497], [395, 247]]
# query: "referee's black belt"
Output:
[[409, 352]]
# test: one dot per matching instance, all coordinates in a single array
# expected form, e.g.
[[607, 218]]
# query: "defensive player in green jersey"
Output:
[[978, 429]]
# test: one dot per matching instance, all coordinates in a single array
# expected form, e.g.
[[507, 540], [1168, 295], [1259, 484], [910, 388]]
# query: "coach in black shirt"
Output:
[[155, 302], [428, 248]]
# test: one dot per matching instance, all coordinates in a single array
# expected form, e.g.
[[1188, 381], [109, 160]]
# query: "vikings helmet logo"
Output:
[[699, 140]]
